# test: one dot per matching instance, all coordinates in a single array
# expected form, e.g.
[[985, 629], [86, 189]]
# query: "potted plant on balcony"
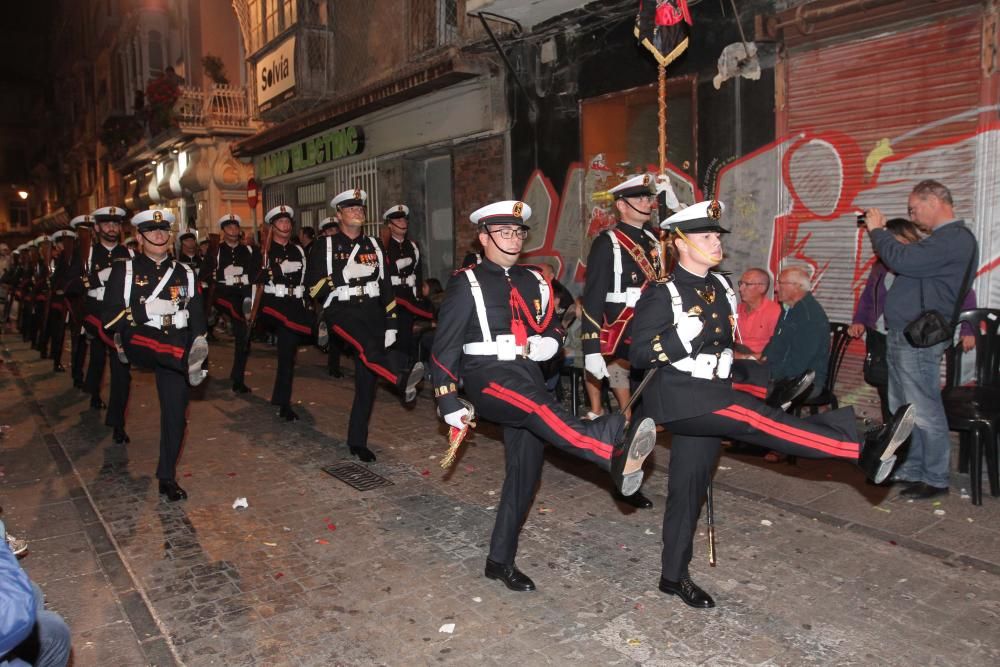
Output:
[[119, 133], [161, 94]]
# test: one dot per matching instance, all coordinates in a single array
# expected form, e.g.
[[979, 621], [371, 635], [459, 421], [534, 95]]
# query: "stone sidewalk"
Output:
[[814, 566]]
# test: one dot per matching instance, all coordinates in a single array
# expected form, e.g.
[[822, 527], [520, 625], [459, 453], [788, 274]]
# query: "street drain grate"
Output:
[[356, 475]]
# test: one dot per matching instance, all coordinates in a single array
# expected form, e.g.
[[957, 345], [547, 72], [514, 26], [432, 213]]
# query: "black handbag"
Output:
[[931, 327], [876, 366]]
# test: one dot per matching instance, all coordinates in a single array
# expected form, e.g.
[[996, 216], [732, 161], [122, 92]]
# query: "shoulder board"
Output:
[[462, 269]]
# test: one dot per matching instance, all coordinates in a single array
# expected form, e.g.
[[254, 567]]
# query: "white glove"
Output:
[[403, 262], [688, 328], [104, 274], [232, 271], [542, 348], [390, 337], [354, 270], [725, 366], [663, 185], [289, 266], [457, 418], [160, 307], [594, 363]]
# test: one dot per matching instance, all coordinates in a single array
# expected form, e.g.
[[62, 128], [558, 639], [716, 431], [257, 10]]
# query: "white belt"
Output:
[[97, 293], [704, 366], [345, 292], [178, 320], [235, 280], [503, 349], [629, 297], [409, 281], [284, 290]]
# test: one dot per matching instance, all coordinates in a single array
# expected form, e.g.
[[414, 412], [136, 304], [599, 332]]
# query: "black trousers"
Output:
[[39, 336], [57, 334], [121, 385], [404, 348], [287, 344], [229, 301], [696, 444], [166, 355], [95, 367], [78, 351], [524, 453], [361, 326]]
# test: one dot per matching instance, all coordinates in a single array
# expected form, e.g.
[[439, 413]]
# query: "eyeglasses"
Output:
[[508, 234], [746, 284]]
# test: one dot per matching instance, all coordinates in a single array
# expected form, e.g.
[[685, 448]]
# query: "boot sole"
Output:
[[642, 444], [899, 436], [803, 384], [414, 379]]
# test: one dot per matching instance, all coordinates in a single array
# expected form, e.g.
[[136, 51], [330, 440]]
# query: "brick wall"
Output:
[[478, 178]]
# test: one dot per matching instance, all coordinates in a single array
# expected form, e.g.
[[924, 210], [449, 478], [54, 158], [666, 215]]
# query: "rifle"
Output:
[[46, 257], [210, 269], [258, 289]]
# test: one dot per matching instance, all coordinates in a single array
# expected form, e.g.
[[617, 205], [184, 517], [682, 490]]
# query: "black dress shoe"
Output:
[[335, 372], [636, 500], [240, 388], [172, 491], [923, 491], [627, 458], [285, 412], [688, 591], [120, 436], [512, 577], [79, 385], [878, 452], [58, 368], [363, 453], [97, 404]]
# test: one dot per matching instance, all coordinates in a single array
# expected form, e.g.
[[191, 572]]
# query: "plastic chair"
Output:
[[974, 411], [839, 340]]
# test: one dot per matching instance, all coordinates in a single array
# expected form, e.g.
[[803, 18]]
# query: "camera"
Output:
[[862, 219]]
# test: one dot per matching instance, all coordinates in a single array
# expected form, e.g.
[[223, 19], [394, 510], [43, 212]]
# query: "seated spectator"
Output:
[[869, 316], [29, 635], [758, 315]]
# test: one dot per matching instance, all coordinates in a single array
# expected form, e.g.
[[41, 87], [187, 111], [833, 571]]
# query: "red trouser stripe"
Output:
[[752, 389], [561, 428], [238, 315], [381, 371], [441, 366], [157, 346], [419, 312], [294, 326], [96, 323], [841, 448]]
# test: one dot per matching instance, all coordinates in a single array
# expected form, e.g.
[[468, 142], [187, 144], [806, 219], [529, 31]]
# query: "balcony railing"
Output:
[[217, 108]]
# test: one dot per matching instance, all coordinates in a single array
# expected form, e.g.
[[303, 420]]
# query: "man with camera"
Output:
[[931, 275]]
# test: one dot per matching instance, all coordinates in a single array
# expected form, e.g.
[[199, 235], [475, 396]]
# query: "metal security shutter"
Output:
[[849, 102]]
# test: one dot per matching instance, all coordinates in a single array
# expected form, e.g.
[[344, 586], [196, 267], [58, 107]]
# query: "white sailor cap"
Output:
[[280, 211], [229, 218], [397, 211], [327, 223], [501, 213], [85, 220], [701, 217], [109, 214], [63, 233], [189, 234], [152, 219], [353, 197], [131, 241], [635, 186]]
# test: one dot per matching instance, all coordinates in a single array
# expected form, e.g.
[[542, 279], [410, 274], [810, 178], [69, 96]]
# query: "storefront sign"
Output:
[[320, 149], [276, 75]]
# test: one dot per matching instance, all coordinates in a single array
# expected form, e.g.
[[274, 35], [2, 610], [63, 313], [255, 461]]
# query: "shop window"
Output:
[[623, 127], [19, 216]]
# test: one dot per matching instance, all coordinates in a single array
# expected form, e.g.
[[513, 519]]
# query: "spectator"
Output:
[[929, 276], [29, 635], [869, 318], [757, 314], [801, 340], [432, 294]]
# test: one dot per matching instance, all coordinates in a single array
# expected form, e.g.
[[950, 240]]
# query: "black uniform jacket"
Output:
[[131, 317], [597, 311], [321, 279], [406, 295], [673, 394], [458, 324], [290, 311]]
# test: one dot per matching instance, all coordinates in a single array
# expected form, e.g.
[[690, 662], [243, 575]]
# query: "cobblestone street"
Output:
[[815, 566]]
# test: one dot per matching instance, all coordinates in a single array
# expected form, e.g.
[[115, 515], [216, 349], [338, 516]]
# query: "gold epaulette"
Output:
[[444, 390]]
